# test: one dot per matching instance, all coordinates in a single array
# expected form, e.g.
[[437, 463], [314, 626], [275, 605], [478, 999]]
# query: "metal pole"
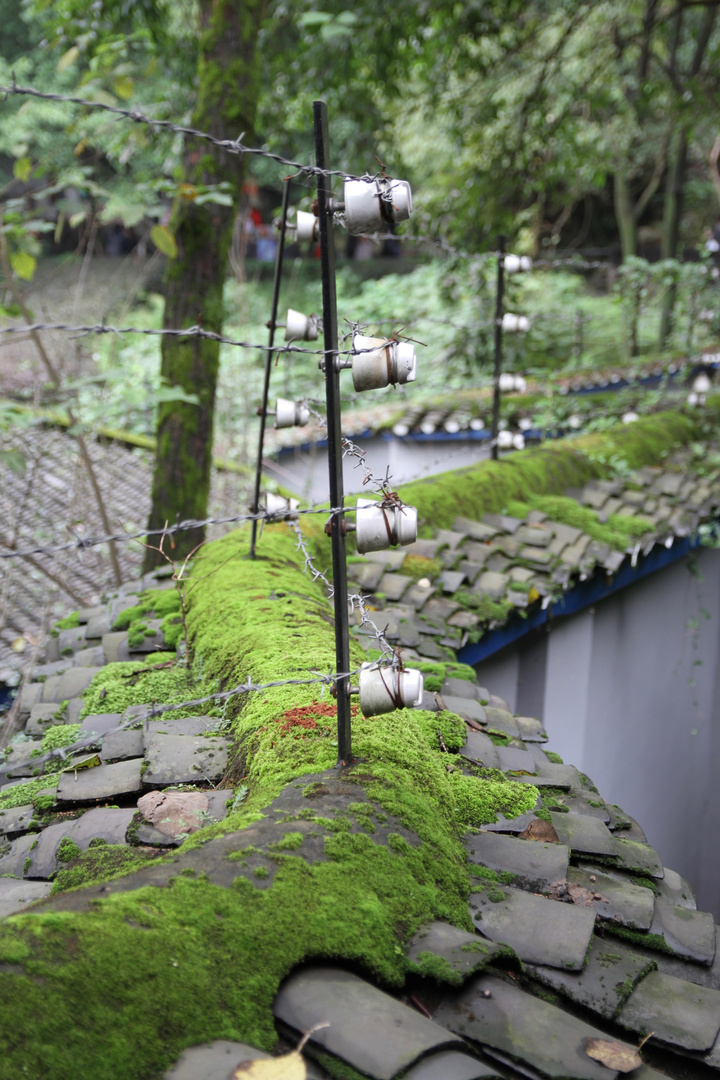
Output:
[[279, 257], [334, 433], [499, 296]]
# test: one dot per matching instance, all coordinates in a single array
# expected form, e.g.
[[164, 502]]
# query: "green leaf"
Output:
[[123, 86], [22, 168], [68, 58], [23, 264], [164, 240]]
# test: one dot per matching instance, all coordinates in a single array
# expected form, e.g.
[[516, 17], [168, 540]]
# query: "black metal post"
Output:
[[334, 432], [279, 258], [499, 297]]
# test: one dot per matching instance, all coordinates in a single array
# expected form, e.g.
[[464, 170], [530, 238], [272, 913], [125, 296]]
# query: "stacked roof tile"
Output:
[[452, 587]]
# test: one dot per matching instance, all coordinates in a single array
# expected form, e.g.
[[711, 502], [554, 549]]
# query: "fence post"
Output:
[[279, 257], [334, 434], [499, 296]]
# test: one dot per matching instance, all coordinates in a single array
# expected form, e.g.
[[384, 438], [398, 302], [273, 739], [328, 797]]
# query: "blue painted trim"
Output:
[[583, 595]]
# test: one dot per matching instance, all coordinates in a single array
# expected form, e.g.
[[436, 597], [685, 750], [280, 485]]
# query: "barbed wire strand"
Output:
[[266, 516], [233, 146]]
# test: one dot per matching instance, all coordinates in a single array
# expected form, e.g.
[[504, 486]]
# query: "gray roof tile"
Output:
[[532, 1032], [451, 1065], [676, 1012], [688, 933], [617, 898], [583, 835], [400, 1035], [639, 857], [536, 865], [602, 985], [540, 931], [463, 951]]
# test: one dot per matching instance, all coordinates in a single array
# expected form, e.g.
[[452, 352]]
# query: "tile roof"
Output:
[[46, 498], [454, 587], [580, 932]]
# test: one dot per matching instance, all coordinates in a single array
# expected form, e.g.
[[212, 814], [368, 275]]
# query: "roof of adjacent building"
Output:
[[453, 588]]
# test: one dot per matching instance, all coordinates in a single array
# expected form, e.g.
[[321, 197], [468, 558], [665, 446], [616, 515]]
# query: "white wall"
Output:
[[305, 472], [619, 704]]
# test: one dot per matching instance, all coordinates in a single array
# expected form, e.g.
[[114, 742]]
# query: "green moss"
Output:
[[555, 758], [291, 841], [68, 850], [619, 531], [68, 623], [101, 863], [60, 735], [544, 815], [25, 793], [639, 937], [477, 801], [120, 685], [484, 872], [417, 567], [172, 967], [261, 872], [163, 604], [438, 968], [549, 469]]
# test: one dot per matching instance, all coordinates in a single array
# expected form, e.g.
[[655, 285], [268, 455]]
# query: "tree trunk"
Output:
[[678, 167], [228, 89], [671, 225], [625, 214]]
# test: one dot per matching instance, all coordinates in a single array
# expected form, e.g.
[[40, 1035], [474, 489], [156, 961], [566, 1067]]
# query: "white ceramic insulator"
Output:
[[520, 384], [692, 399], [505, 440], [514, 324], [518, 441], [306, 227], [701, 383], [575, 422], [506, 382], [525, 423], [515, 263], [452, 427], [278, 504], [477, 424], [372, 203], [377, 362], [383, 690], [630, 417], [401, 430], [377, 529], [290, 413], [299, 327]]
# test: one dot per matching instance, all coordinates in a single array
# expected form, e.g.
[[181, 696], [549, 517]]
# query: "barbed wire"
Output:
[[80, 543], [355, 600], [155, 711], [233, 146], [482, 257]]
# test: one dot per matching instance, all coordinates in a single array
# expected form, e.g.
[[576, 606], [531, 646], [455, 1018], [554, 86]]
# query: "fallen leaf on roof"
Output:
[[615, 1055], [288, 1067], [540, 830]]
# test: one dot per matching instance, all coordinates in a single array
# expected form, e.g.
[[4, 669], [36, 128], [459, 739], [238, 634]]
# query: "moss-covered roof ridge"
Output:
[[514, 537], [435, 867]]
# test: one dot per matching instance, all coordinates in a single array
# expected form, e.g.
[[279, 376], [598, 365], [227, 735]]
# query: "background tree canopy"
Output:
[[583, 124]]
